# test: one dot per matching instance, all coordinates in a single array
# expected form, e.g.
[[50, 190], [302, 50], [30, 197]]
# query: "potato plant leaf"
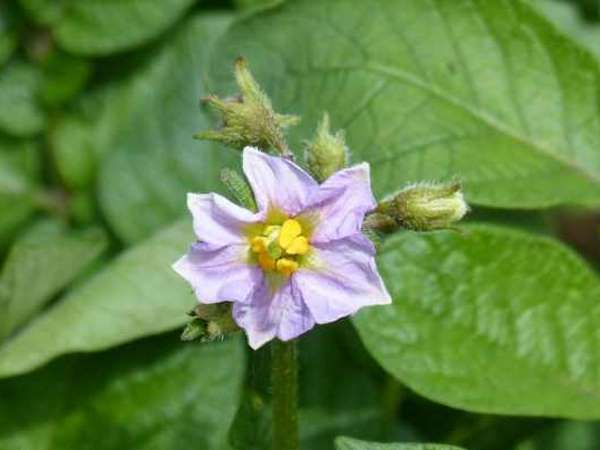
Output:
[[158, 394], [136, 295], [489, 320], [39, 265], [486, 91]]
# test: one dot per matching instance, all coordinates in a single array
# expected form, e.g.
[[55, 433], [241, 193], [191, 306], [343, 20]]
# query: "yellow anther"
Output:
[[266, 262], [299, 246], [286, 266], [259, 244], [290, 230]]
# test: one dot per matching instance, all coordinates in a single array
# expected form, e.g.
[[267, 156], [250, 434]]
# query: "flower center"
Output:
[[279, 247]]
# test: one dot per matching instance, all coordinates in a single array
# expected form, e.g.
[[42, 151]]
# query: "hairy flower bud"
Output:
[[425, 206], [210, 322], [327, 153], [248, 118], [238, 187]]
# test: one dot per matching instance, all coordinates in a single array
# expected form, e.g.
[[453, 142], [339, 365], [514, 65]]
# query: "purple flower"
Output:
[[300, 260]]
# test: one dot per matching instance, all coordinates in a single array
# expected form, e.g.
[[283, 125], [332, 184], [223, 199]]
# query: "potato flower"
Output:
[[300, 260]]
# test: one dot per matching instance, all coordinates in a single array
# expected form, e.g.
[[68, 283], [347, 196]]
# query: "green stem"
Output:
[[284, 376]]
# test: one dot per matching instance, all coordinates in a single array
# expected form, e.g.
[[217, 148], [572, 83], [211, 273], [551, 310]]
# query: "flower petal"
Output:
[[217, 220], [277, 182], [219, 274], [273, 313], [343, 280], [342, 202]]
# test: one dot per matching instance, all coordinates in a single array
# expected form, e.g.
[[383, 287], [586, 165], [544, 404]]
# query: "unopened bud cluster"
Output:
[[422, 207], [327, 153], [249, 119]]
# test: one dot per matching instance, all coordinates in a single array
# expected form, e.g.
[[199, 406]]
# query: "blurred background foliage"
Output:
[[98, 103]]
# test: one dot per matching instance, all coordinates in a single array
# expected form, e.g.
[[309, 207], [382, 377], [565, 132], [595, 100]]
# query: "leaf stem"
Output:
[[284, 376]]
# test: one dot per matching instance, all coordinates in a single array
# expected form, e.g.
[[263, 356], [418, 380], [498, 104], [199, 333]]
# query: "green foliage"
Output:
[[255, 3], [8, 35], [97, 27], [468, 314], [339, 394], [19, 170], [481, 90], [343, 443], [20, 112], [44, 12], [152, 395], [65, 76], [85, 134], [135, 295], [568, 19], [39, 265], [158, 138], [98, 104], [566, 435]]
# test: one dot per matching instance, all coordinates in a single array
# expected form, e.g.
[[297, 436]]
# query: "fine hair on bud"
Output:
[[426, 206], [327, 153], [248, 118]]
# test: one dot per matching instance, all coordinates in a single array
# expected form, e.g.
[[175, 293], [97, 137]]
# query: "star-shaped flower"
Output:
[[300, 260]]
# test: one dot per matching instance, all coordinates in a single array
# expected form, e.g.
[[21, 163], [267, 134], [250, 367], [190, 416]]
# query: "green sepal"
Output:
[[238, 187]]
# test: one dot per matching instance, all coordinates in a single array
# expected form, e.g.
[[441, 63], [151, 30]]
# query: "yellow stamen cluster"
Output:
[[279, 246]]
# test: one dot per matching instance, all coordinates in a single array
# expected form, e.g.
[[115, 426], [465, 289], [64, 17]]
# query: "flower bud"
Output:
[[327, 153], [249, 119], [239, 188], [425, 206], [210, 322], [195, 329]]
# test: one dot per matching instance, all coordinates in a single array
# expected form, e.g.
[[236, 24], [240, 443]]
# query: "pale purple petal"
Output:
[[273, 313], [219, 221], [341, 276], [343, 280], [342, 202], [277, 182], [219, 274]]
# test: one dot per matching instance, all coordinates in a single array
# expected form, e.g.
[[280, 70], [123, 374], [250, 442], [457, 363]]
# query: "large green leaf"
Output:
[[41, 263], [492, 320], [484, 90], [20, 112], [155, 395], [19, 170], [344, 443], [139, 130], [100, 27], [155, 161], [136, 295], [83, 136], [566, 16]]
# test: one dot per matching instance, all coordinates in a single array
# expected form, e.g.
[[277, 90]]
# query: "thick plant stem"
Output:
[[284, 376]]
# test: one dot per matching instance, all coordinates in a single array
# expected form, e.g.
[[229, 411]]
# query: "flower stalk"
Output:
[[284, 377]]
